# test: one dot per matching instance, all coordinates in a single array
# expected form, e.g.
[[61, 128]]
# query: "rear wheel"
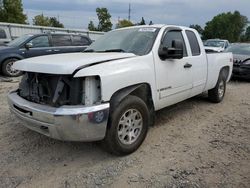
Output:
[[8, 70], [217, 94], [128, 125]]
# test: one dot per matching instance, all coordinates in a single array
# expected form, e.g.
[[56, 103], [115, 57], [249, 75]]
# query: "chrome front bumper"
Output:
[[69, 123]]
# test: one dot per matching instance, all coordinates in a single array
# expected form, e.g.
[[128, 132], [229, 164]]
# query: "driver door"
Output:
[[173, 76]]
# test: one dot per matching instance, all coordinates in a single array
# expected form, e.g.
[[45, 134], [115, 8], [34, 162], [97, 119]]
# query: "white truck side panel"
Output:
[[216, 61]]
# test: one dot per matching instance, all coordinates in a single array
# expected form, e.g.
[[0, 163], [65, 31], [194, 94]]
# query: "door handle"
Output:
[[56, 50], [48, 50], [187, 65]]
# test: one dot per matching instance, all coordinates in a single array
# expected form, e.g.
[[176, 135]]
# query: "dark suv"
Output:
[[28, 46]]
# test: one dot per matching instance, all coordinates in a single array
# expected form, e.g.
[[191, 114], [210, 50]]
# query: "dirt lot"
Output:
[[193, 144]]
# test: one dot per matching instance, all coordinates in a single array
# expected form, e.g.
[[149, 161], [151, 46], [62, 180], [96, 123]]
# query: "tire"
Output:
[[7, 70], [217, 94], [127, 126]]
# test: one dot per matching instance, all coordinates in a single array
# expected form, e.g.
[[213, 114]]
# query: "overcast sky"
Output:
[[78, 13]]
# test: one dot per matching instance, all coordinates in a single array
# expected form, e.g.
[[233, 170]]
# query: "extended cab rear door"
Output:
[[198, 61], [173, 76]]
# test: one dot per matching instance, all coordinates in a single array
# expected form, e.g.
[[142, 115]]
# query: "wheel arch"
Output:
[[142, 90], [224, 71]]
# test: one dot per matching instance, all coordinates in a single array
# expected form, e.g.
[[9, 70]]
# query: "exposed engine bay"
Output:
[[58, 90]]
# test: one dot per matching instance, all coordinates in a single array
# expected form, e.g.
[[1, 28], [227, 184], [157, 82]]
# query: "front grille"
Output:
[[54, 90]]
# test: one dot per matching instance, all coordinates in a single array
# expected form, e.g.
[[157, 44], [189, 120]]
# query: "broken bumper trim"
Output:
[[68, 123]]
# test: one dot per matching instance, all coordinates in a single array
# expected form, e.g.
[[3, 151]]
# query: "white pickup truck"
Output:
[[111, 91]]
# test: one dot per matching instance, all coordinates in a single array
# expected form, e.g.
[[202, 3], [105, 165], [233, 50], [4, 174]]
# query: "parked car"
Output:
[[28, 46], [111, 91], [241, 62], [216, 45], [11, 31]]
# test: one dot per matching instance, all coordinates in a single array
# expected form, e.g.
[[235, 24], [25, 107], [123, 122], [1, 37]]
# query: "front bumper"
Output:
[[69, 123]]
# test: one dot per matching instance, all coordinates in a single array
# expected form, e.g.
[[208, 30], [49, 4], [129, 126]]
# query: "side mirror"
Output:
[[174, 52], [28, 45]]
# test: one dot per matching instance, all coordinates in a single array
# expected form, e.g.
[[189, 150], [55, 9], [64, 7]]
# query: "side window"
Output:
[[226, 45], [195, 47], [174, 35], [80, 41], [61, 40], [2, 34], [39, 42]]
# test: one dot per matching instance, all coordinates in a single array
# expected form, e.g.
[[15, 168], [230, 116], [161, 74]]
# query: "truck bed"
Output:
[[214, 59]]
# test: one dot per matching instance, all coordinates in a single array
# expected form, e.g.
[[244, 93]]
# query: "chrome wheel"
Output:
[[130, 126], [10, 70], [221, 89]]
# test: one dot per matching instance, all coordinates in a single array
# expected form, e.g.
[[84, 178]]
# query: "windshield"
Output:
[[133, 40], [214, 43], [18, 41], [239, 49]]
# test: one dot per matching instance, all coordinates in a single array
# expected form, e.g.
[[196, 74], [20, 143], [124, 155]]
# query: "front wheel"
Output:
[[127, 127], [217, 94], [8, 70]]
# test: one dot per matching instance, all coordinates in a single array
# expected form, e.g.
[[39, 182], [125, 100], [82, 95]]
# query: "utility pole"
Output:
[[129, 11]]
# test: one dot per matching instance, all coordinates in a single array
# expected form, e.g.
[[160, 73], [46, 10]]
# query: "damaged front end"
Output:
[[61, 106], [59, 90]]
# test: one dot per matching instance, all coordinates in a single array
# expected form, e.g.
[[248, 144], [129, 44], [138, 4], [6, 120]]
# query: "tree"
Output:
[[41, 20], [104, 19], [91, 26], [55, 23], [47, 21], [150, 23], [226, 26], [12, 11], [142, 22], [124, 23], [198, 28]]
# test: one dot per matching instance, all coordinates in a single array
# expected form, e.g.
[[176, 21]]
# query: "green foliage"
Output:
[[124, 23], [104, 19], [142, 22], [226, 26], [198, 28], [55, 23], [12, 11], [41, 20], [46, 21], [91, 26]]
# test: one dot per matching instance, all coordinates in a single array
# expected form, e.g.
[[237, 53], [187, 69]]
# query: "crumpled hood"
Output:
[[66, 63]]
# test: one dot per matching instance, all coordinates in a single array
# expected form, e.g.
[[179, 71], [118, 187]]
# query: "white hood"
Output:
[[66, 63]]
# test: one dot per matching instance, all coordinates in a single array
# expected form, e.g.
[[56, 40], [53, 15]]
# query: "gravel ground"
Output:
[[193, 144]]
